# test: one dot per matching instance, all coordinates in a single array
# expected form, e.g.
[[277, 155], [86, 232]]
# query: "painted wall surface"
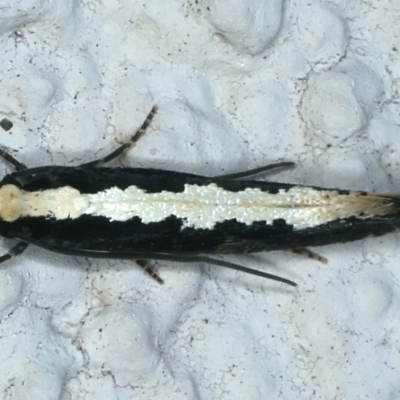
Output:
[[239, 84]]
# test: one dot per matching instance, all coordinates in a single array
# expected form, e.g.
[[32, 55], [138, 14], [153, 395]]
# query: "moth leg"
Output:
[[255, 171], [14, 162], [237, 267], [302, 251], [120, 150], [150, 270], [18, 249]]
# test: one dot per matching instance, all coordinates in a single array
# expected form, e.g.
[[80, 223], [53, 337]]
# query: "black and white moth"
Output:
[[140, 214]]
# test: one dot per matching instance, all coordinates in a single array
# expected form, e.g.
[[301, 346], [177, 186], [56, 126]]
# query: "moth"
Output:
[[142, 214]]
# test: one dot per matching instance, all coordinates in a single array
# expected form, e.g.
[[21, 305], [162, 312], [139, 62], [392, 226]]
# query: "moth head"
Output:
[[11, 202]]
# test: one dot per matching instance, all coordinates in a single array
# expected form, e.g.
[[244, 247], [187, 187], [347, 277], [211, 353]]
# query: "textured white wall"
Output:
[[239, 84]]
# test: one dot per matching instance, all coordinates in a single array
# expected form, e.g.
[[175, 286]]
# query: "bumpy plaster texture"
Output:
[[238, 84]]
